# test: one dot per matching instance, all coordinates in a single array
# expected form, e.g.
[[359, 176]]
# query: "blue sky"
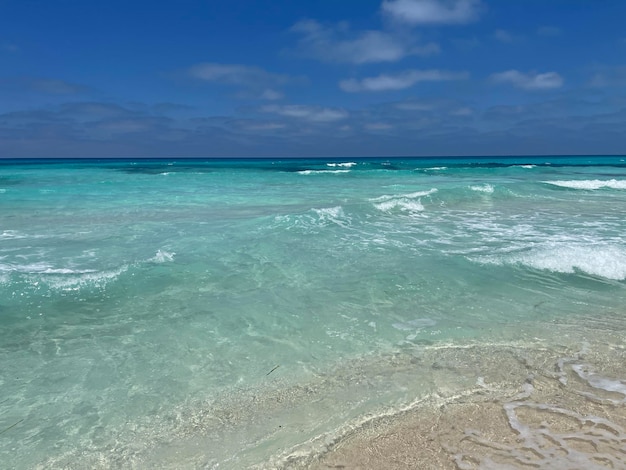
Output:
[[81, 78]]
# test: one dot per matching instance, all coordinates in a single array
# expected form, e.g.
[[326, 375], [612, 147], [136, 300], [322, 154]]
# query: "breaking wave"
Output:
[[321, 172], [606, 261], [42, 274], [589, 184], [343, 165], [485, 188], [314, 219], [163, 256], [71, 278], [404, 202]]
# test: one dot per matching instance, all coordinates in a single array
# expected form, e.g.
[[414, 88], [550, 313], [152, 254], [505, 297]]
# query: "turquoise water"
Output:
[[155, 310]]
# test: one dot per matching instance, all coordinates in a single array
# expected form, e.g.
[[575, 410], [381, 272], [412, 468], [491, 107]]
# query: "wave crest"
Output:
[[607, 261], [404, 202], [163, 256], [321, 172], [485, 188], [589, 184], [344, 165]]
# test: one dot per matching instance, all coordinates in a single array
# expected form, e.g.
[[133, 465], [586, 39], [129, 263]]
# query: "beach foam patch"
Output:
[[601, 383], [563, 438]]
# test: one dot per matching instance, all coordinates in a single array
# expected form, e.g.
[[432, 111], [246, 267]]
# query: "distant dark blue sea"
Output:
[[189, 313]]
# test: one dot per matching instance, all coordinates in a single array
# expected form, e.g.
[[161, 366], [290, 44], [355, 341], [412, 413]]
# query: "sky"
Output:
[[306, 78]]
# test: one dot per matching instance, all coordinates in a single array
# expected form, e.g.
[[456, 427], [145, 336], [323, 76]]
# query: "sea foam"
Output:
[[58, 278], [322, 172], [76, 281], [607, 261], [599, 382], [11, 234], [345, 165], [40, 268], [314, 219], [589, 184], [163, 256], [331, 215], [404, 202], [485, 188]]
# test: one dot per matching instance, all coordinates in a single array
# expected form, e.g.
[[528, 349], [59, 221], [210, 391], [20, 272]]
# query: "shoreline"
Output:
[[573, 416], [446, 406]]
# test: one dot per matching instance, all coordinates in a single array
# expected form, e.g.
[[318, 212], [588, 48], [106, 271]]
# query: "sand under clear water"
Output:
[[538, 412]]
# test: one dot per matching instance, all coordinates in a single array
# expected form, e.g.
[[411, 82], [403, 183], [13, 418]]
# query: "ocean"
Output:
[[252, 313]]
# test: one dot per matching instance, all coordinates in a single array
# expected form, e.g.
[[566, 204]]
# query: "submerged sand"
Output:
[[557, 402]]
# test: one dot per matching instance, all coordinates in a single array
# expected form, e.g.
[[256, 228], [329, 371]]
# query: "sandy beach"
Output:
[[537, 411]]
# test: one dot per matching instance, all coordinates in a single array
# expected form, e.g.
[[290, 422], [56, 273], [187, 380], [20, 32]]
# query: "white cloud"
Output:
[[530, 81], [254, 83], [309, 113], [338, 44], [251, 92], [399, 81], [94, 111], [433, 11], [234, 74]]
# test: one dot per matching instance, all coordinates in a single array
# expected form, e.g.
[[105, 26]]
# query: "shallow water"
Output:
[[146, 305]]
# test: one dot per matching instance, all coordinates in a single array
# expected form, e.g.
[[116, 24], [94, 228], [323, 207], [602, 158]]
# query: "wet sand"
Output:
[[566, 413]]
